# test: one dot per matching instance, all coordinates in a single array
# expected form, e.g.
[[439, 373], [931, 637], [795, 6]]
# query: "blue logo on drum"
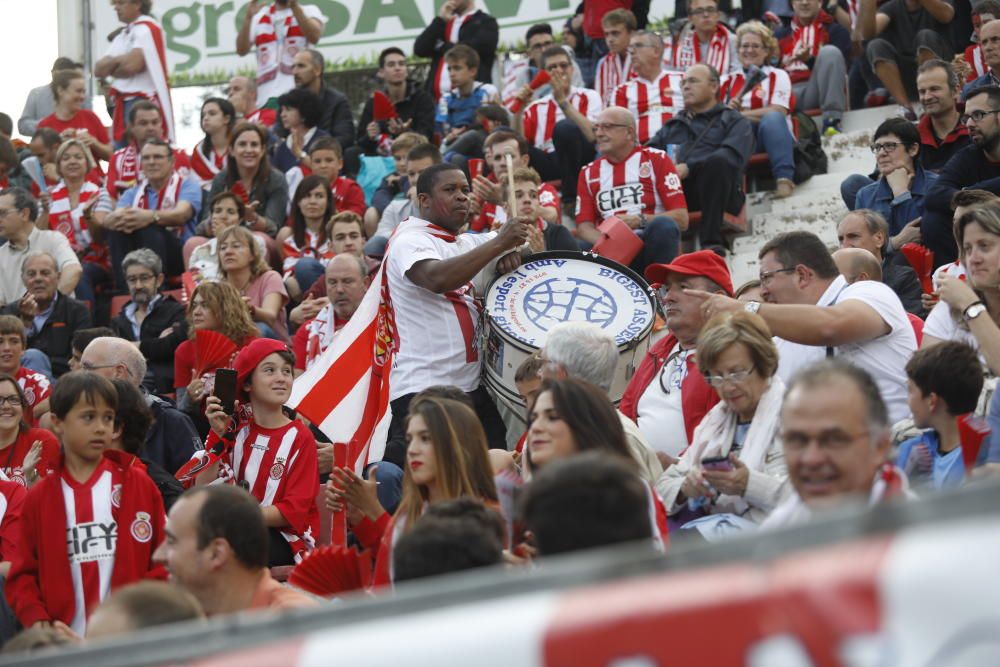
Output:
[[568, 299]]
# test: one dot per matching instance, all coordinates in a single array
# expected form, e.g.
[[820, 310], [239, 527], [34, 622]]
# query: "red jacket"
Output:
[[697, 397], [12, 500], [40, 586]]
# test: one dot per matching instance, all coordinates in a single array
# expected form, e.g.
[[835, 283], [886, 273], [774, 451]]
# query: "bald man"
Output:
[[856, 264], [242, 92]]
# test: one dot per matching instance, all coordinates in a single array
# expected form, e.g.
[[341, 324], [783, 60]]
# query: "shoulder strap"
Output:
[[686, 149]]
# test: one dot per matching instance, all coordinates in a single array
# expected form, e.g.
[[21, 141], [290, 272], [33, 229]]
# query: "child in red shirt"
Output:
[[326, 159]]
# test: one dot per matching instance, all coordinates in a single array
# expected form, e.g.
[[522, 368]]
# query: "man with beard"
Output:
[[307, 69], [974, 167], [151, 321]]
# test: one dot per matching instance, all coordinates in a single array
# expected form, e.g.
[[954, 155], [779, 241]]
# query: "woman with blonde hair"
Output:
[[735, 464], [242, 265], [763, 94]]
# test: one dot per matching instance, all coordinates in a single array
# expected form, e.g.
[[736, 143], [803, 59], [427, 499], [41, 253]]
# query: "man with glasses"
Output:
[[667, 394], [653, 96], [835, 431], [519, 73], [151, 321], [636, 184], [705, 39], [974, 167]]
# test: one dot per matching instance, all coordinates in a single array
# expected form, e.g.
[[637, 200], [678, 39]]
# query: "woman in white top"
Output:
[[735, 464]]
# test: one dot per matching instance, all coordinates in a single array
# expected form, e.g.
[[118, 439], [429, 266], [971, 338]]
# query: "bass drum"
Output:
[[552, 287]]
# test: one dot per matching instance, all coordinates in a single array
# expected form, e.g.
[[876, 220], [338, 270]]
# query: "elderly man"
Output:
[[49, 317], [18, 210], [159, 213], [869, 231], [667, 396], [153, 322], [652, 97], [637, 184], [711, 144], [217, 550], [989, 42], [815, 313], [856, 264], [242, 93], [585, 351], [836, 437], [307, 68], [172, 439]]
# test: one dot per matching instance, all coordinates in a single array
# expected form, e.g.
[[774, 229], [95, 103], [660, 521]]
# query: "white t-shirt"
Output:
[[941, 325], [438, 333], [660, 415], [284, 81], [125, 42]]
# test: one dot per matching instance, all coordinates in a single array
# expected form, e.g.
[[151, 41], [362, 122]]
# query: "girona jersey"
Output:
[[645, 182], [36, 388], [653, 103], [548, 197], [612, 71], [774, 89], [541, 116]]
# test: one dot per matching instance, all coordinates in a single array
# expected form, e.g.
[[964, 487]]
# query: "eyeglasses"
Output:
[[735, 377], [87, 366], [704, 11], [142, 278], [539, 47], [600, 127], [827, 440], [13, 401], [885, 147], [977, 116], [765, 276]]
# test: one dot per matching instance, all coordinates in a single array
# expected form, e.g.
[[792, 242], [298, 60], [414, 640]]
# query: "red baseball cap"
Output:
[[704, 263], [250, 357]]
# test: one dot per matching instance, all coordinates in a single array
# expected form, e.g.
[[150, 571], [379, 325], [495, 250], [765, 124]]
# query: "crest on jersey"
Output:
[[645, 170], [116, 495], [277, 470], [142, 529], [29, 395]]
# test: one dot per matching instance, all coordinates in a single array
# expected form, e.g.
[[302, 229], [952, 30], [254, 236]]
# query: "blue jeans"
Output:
[[36, 360], [307, 271], [849, 188], [390, 484], [661, 240], [776, 139], [93, 275]]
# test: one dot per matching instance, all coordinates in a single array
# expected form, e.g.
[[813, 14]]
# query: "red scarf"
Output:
[[687, 50], [207, 167], [274, 54]]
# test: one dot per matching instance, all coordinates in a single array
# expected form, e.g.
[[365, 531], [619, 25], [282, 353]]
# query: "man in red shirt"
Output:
[[637, 184]]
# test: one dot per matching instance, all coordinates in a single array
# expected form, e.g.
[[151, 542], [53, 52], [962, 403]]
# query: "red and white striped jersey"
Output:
[[541, 116], [36, 388], [612, 71], [313, 248], [645, 182], [205, 168], [978, 66], [653, 103], [775, 89]]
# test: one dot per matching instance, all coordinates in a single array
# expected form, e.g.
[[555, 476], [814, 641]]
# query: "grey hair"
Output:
[[145, 258], [821, 373], [585, 350], [873, 221], [22, 200], [651, 38], [362, 264], [35, 255], [123, 352]]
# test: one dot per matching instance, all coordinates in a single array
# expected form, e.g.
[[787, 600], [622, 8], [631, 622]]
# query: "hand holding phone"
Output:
[[225, 389], [721, 463]]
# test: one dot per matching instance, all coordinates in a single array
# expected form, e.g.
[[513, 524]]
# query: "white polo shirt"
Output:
[[11, 260]]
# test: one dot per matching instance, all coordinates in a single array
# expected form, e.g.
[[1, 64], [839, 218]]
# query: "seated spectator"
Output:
[[226, 209], [305, 242], [765, 104], [12, 172], [417, 160], [654, 95], [49, 317], [218, 552], [27, 452], [73, 211], [242, 265], [590, 500], [711, 145], [326, 159], [975, 167], [519, 73], [249, 174], [147, 604], [81, 339], [975, 64], [615, 67], [395, 185], [335, 110], [544, 235], [835, 435], [451, 536], [866, 229], [944, 381], [901, 37], [347, 237], [814, 51], [560, 125], [300, 114], [43, 147], [152, 321], [666, 397], [36, 386], [857, 264], [42, 99], [69, 117], [242, 94], [942, 134], [738, 358], [463, 139], [18, 211], [159, 213], [645, 193], [218, 118], [705, 38], [814, 313], [989, 42], [171, 439], [346, 283], [144, 123]]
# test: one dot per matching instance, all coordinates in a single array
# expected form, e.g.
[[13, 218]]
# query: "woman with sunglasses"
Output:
[[735, 463]]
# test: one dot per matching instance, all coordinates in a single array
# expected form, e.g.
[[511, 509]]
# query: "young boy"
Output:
[[545, 236], [394, 185], [267, 453], [36, 386], [457, 113], [326, 159], [944, 382], [615, 68], [93, 524]]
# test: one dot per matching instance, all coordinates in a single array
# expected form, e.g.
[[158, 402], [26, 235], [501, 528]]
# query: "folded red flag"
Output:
[[972, 430], [475, 168], [382, 107], [922, 261], [540, 80]]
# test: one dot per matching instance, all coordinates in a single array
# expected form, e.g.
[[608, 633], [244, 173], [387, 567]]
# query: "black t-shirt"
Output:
[[904, 26]]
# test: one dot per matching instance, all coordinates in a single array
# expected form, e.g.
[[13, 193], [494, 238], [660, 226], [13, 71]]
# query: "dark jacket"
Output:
[[480, 31], [159, 351], [172, 439], [729, 135], [902, 279], [272, 196], [55, 338], [337, 118], [558, 237], [968, 169], [417, 105], [166, 483], [933, 153]]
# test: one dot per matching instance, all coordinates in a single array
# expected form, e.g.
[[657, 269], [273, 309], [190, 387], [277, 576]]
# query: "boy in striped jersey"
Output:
[[93, 524], [615, 68]]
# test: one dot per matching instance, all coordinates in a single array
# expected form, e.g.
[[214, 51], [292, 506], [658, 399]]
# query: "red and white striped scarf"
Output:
[[977, 66], [612, 72], [68, 219], [322, 331], [166, 198], [276, 52], [442, 82], [207, 167], [811, 37], [687, 50], [151, 41]]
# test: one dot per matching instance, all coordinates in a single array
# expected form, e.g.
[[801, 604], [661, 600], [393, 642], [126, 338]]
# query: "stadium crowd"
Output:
[[161, 302]]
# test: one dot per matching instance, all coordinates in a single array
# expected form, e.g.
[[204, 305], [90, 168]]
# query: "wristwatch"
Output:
[[752, 306], [156, 217], [973, 311]]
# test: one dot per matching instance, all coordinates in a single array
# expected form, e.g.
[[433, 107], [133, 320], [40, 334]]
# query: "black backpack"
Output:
[[809, 156]]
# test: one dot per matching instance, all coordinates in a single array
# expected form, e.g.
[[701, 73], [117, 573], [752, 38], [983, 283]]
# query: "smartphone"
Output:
[[225, 388], [717, 463]]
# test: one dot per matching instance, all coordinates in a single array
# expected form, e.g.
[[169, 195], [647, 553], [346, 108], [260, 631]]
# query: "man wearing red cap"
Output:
[[667, 396]]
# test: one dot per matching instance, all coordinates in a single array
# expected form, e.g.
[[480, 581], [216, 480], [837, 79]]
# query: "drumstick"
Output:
[[511, 199]]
